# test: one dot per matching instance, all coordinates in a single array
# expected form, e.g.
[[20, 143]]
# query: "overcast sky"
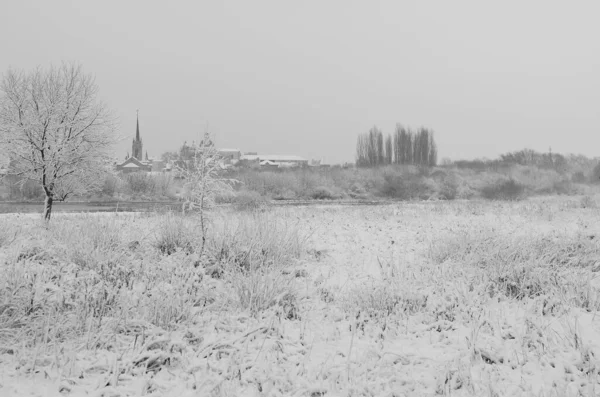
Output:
[[305, 77]]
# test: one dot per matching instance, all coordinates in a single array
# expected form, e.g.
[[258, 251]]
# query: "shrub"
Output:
[[245, 200], [285, 194], [449, 188], [395, 186], [225, 198], [578, 177], [507, 190], [595, 177], [31, 190], [323, 193], [163, 185], [139, 183], [109, 187], [408, 187], [564, 186]]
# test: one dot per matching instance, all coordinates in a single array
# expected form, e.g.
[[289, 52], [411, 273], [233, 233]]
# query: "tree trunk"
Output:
[[48, 207]]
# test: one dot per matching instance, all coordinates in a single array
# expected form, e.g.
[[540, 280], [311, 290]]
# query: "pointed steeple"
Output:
[[136, 147], [137, 128], [146, 155]]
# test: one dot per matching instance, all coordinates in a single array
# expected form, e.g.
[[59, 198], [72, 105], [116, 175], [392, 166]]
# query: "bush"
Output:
[[358, 191], [406, 182], [245, 200], [395, 186], [144, 184], [225, 198], [408, 187], [285, 194], [563, 187], [507, 190], [595, 178], [109, 187], [31, 190], [139, 183], [578, 177], [449, 188], [323, 193]]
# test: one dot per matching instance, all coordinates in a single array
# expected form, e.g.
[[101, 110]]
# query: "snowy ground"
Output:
[[377, 314]]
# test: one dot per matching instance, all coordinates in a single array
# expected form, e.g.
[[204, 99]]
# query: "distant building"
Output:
[[136, 162], [158, 166], [230, 156], [136, 146], [266, 164], [133, 165], [249, 161], [274, 160]]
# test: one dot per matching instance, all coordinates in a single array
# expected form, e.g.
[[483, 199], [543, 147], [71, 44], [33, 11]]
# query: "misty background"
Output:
[[306, 78]]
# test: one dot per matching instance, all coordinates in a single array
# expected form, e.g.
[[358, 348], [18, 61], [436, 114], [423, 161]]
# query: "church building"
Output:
[[136, 162]]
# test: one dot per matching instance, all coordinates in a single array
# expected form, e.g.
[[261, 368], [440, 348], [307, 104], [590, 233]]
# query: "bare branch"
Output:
[[54, 129]]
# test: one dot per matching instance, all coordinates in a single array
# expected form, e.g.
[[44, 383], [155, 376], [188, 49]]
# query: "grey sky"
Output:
[[305, 77]]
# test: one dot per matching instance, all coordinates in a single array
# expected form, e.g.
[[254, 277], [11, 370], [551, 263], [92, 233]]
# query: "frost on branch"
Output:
[[204, 181], [55, 130]]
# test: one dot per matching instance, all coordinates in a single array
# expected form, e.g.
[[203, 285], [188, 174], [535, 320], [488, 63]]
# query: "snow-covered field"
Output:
[[412, 299]]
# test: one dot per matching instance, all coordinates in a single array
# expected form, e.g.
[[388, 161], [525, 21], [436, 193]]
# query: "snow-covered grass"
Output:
[[462, 298]]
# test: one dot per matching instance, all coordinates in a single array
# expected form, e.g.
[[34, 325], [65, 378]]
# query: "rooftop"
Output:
[[273, 157]]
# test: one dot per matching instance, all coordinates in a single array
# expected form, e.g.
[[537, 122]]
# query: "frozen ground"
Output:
[[399, 300]]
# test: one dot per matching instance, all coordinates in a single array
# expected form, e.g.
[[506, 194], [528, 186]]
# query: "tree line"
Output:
[[404, 146], [526, 157]]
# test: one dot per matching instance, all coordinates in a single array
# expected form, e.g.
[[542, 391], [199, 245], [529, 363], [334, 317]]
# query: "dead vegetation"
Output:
[[464, 298]]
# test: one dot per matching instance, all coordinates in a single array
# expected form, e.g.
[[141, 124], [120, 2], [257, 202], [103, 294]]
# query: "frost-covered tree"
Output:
[[203, 180], [55, 130]]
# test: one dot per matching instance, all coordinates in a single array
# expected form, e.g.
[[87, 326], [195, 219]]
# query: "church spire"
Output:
[[136, 147], [137, 128]]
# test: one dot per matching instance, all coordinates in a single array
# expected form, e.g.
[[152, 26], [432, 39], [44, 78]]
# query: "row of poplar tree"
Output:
[[404, 146]]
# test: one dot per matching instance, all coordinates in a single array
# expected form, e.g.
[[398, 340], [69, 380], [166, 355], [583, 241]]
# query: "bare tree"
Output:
[[389, 150], [433, 154], [380, 148], [362, 150], [203, 180], [169, 156], [405, 146], [55, 130]]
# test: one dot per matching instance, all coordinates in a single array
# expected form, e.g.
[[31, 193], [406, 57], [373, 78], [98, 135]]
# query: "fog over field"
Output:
[[306, 78]]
